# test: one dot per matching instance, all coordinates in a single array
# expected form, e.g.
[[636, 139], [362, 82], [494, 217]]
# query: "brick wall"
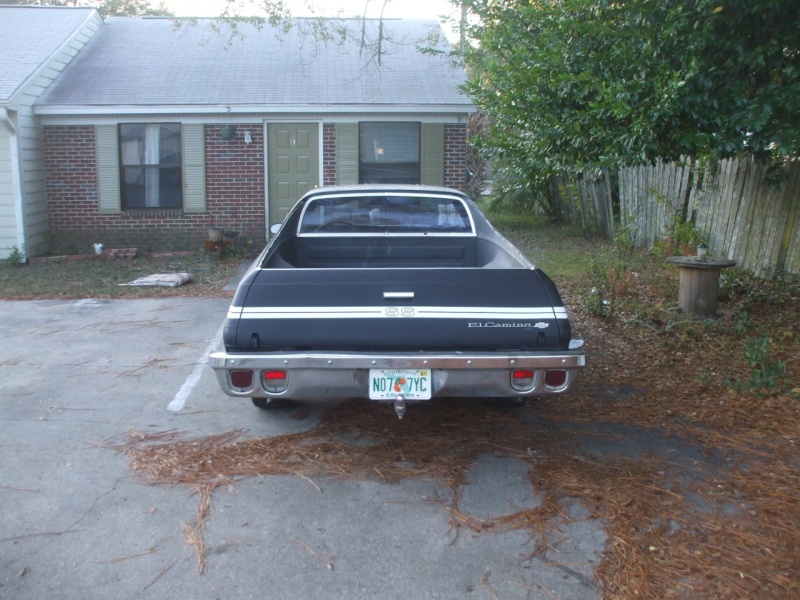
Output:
[[71, 173], [455, 156], [234, 196], [329, 154]]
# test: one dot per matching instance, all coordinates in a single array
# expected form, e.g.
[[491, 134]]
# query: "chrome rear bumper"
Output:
[[315, 375]]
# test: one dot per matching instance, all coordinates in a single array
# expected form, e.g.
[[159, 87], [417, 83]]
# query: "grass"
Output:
[[564, 252], [100, 278]]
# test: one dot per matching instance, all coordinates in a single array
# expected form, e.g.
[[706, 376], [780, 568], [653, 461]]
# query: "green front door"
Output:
[[293, 165]]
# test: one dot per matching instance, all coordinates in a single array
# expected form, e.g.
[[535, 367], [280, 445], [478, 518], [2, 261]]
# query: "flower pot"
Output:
[[215, 234], [228, 132]]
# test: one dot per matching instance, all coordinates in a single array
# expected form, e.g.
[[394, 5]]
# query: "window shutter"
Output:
[[107, 155], [432, 157], [347, 153], [194, 168]]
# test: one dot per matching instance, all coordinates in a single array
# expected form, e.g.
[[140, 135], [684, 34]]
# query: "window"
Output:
[[150, 159], [389, 153], [385, 215]]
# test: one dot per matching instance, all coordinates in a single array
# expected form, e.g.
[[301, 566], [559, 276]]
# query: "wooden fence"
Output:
[[586, 200], [652, 197], [748, 210]]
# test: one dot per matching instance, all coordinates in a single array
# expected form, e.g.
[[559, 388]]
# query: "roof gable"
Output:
[[146, 62], [29, 37]]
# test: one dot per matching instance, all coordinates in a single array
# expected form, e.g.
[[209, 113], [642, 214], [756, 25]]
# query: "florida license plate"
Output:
[[388, 384]]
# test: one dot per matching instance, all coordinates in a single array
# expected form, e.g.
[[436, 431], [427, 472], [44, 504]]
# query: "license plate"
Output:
[[388, 384]]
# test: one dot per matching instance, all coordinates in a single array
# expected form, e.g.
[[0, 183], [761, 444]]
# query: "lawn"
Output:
[[101, 278]]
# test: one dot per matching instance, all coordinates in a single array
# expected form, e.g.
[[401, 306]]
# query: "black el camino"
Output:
[[397, 294]]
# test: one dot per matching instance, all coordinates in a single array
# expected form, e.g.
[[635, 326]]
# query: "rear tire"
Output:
[[270, 403]]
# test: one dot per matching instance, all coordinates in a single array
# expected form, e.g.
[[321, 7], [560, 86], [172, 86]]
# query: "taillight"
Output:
[[242, 380], [275, 382], [522, 379], [555, 378]]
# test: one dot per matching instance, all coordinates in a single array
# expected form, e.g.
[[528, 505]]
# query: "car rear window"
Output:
[[383, 214]]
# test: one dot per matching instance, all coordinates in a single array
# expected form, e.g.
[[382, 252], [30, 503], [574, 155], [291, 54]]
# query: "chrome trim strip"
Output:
[[385, 312]]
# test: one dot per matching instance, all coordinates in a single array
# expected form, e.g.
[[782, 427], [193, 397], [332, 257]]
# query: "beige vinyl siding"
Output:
[[194, 168], [31, 154], [109, 201], [32, 182], [8, 221], [432, 154], [347, 153]]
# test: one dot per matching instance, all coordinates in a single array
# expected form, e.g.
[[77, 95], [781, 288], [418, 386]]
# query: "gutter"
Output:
[[259, 110], [16, 183]]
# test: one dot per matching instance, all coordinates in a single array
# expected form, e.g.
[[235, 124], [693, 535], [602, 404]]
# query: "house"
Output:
[[36, 43], [157, 131]]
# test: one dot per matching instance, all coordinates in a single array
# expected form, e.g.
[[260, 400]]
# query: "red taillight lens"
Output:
[[242, 379], [522, 379], [275, 381], [555, 379], [274, 374]]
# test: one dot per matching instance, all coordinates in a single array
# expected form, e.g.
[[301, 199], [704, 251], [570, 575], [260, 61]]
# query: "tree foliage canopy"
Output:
[[109, 8], [600, 83]]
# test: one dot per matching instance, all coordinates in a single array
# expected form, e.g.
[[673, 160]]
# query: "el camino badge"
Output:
[[411, 384]]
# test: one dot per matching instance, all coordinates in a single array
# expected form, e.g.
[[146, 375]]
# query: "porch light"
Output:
[[228, 132]]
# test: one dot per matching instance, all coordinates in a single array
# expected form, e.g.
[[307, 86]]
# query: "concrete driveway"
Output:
[[76, 523]]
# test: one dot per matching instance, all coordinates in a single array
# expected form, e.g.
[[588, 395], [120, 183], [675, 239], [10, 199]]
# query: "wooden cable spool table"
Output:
[[699, 283]]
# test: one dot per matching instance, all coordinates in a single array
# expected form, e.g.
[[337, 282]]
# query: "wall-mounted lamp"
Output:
[[247, 138], [228, 132]]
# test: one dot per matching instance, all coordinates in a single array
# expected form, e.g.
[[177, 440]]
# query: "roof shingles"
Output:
[[29, 37], [151, 63]]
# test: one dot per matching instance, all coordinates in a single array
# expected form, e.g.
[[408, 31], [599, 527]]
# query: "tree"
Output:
[[600, 83], [752, 64], [329, 25], [110, 8]]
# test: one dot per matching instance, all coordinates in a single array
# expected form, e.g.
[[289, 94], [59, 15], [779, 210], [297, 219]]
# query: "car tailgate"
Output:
[[402, 309]]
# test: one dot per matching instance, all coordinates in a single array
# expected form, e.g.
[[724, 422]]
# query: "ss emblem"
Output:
[[398, 311]]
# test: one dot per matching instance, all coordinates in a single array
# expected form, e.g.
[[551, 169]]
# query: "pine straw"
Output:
[[739, 540], [727, 525]]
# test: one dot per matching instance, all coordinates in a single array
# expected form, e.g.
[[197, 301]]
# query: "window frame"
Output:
[[309, 227], [125, 202], [414, 168]]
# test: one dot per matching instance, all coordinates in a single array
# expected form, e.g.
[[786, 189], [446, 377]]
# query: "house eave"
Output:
[[251, 109]]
